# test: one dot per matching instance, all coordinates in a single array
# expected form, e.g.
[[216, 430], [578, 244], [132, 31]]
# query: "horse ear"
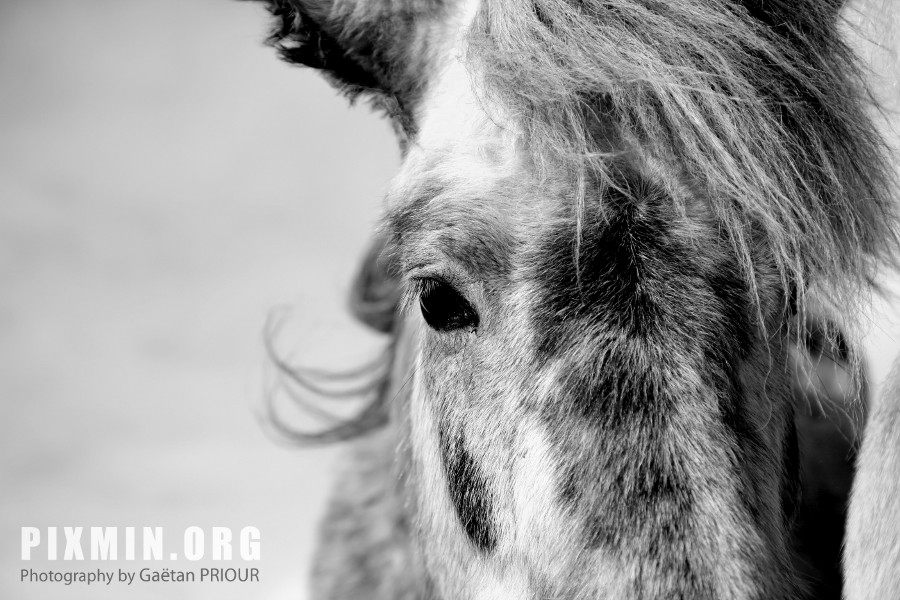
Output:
[[375, 47]]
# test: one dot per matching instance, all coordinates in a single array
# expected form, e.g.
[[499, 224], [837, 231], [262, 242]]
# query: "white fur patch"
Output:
[[456, 126], [512, 585], [534, 482]]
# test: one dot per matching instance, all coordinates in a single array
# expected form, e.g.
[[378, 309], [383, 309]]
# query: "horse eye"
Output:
[[443, 308]]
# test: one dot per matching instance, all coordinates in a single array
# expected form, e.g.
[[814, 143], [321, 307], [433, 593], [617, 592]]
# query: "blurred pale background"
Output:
[[164, 183]]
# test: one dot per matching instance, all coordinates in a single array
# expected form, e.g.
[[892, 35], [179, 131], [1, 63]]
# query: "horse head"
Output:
[[612, 224]]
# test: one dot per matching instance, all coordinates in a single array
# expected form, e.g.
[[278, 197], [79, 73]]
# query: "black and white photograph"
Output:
[[450, 299]]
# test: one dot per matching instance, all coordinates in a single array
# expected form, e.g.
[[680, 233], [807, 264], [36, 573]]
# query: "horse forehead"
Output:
[[461, 139]]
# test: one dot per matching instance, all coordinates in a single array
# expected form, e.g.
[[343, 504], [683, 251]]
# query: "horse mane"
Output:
[[375, 296], [759, 106]]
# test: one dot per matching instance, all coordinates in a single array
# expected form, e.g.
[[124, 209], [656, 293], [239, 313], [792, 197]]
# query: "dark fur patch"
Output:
[[648, 495], [782, 15], [633, 497], [631, 274], [737, 310], [654, 303], [790, 480], [619, 395], [468, 491]]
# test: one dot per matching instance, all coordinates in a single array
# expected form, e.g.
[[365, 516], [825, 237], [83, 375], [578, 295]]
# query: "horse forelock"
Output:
[[758, 108]]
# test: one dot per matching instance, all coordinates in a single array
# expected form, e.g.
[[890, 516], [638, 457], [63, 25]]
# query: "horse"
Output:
[[627, 239]]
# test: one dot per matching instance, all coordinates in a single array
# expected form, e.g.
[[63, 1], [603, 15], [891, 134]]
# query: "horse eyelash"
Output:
[[413, 288]]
